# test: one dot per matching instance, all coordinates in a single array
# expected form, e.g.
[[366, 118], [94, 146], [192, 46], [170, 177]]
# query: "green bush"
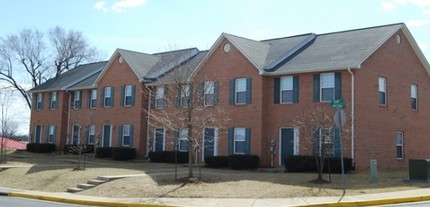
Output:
[[308, 163], [168, 156], [40, 147], [74, 149], [104, 152], [216, 161], [240, 162], [123, 153]]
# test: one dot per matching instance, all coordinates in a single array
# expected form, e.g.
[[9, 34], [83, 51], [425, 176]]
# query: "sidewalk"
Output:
[[358, 200]]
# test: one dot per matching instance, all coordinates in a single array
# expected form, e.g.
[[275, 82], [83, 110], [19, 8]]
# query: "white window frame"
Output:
[[183, 137], [51, 132], [107, 95], [53, 100], [126, 132], [39, 101], [76, 98], [400, 143], [155, 140], [237, 138], [128, 92], [382, 88], [159, 97], [91, 133], [240, 88], [327, 81], [185, 95], [93, 98], [209, 93], [287, 84], [414, 97]]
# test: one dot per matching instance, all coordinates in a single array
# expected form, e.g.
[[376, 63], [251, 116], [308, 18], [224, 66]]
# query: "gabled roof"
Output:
[[316, 53], [70, 78]]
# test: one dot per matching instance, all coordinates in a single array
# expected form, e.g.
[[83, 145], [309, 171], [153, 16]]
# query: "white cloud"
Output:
[[393, 4], [125, 4], [426, 12], [417, 22], [100, 5], [388, 6]]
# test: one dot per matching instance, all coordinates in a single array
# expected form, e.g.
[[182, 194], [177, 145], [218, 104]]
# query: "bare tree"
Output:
[[318, 128], [70, 49], [8, 126], [184, 108], [26, 60]]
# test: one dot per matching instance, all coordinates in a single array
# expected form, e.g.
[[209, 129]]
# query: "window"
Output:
[[159, 139], [209, 93], [53, 101], [91, 134], [183, 140], [160, 99], [240, 91], [93, 98], [287, 89], [327, 87], [39, 101], [414, 97], [239, 141], [126, 135], [76, 134], [382, 86], [184, 95], [399, 145], [128, 95], [76, 100], [51, 134], [326, 142], [108, 97]]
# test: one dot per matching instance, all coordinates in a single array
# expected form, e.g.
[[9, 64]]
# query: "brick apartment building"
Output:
[[262, 87]]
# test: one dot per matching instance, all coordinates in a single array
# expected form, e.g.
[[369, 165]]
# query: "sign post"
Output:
[[339, 120]]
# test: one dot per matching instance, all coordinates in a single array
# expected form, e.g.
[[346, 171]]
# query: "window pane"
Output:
[[240, 84], [327, 94], [287, 96], [381, 84], [209, 87], [413, 91], [399, 152], [414, 103], [183, 145], [287, 83], [241, 97], [128, 90], [399, 138], [77, 95], [327, 80], [159, 92], [239, 147], [93, 94], [382, 98], [239, 134], [126, 130], [108, 92], [54, 96]]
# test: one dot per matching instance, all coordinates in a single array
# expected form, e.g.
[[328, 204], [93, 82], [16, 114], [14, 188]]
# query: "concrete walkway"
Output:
[[358, 200]]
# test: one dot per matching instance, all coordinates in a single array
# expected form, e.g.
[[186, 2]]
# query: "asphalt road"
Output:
[[417, 204], [24, 202]]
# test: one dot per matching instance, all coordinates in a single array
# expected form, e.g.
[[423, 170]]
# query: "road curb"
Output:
[[371, 202], [85, 202]]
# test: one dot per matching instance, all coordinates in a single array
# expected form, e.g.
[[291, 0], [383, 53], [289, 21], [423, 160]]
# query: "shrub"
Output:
[[239, 162], [168, 156], [307, 163], [74, 149], [123, 153], [40, 147], [216, 161], [104, 152]]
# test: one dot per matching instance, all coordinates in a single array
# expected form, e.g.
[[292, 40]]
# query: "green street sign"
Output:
[[338, 104]]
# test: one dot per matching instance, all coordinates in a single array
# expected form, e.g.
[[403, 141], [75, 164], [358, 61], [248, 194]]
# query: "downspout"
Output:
[[352, 115], [68, 118]]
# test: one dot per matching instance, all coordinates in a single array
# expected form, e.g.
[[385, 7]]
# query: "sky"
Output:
[[152, 26]]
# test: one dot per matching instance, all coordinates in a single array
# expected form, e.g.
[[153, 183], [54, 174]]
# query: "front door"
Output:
[[38, 134], [159, 139], [210, 142], [107, 135], [286, 144], [75, 135]]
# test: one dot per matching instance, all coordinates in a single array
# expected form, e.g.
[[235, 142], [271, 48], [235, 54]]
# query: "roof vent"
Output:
[[291, 53]]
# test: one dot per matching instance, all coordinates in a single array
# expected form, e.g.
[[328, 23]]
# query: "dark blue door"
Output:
[[38, 134], [209, 146], [159, 140], [107, 133], [287, 144]]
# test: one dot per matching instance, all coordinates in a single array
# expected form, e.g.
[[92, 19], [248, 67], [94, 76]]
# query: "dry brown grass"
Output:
[[55, 173]]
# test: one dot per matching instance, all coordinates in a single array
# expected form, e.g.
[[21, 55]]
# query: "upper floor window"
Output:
[[382, 87], [240, 91], [286, 90], [414, 97], [209, 96], [327, 87], [399, 145], [128, 95], [77, 100], [93, 98], [39, 101], [53, 101], [160, 98], [184, 95], [108, 96]]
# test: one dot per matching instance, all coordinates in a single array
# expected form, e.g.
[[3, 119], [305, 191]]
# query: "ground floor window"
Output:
[[183, 140], [400, 145]]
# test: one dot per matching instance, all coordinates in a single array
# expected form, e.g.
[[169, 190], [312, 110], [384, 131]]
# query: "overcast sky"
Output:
[[151, 26]]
